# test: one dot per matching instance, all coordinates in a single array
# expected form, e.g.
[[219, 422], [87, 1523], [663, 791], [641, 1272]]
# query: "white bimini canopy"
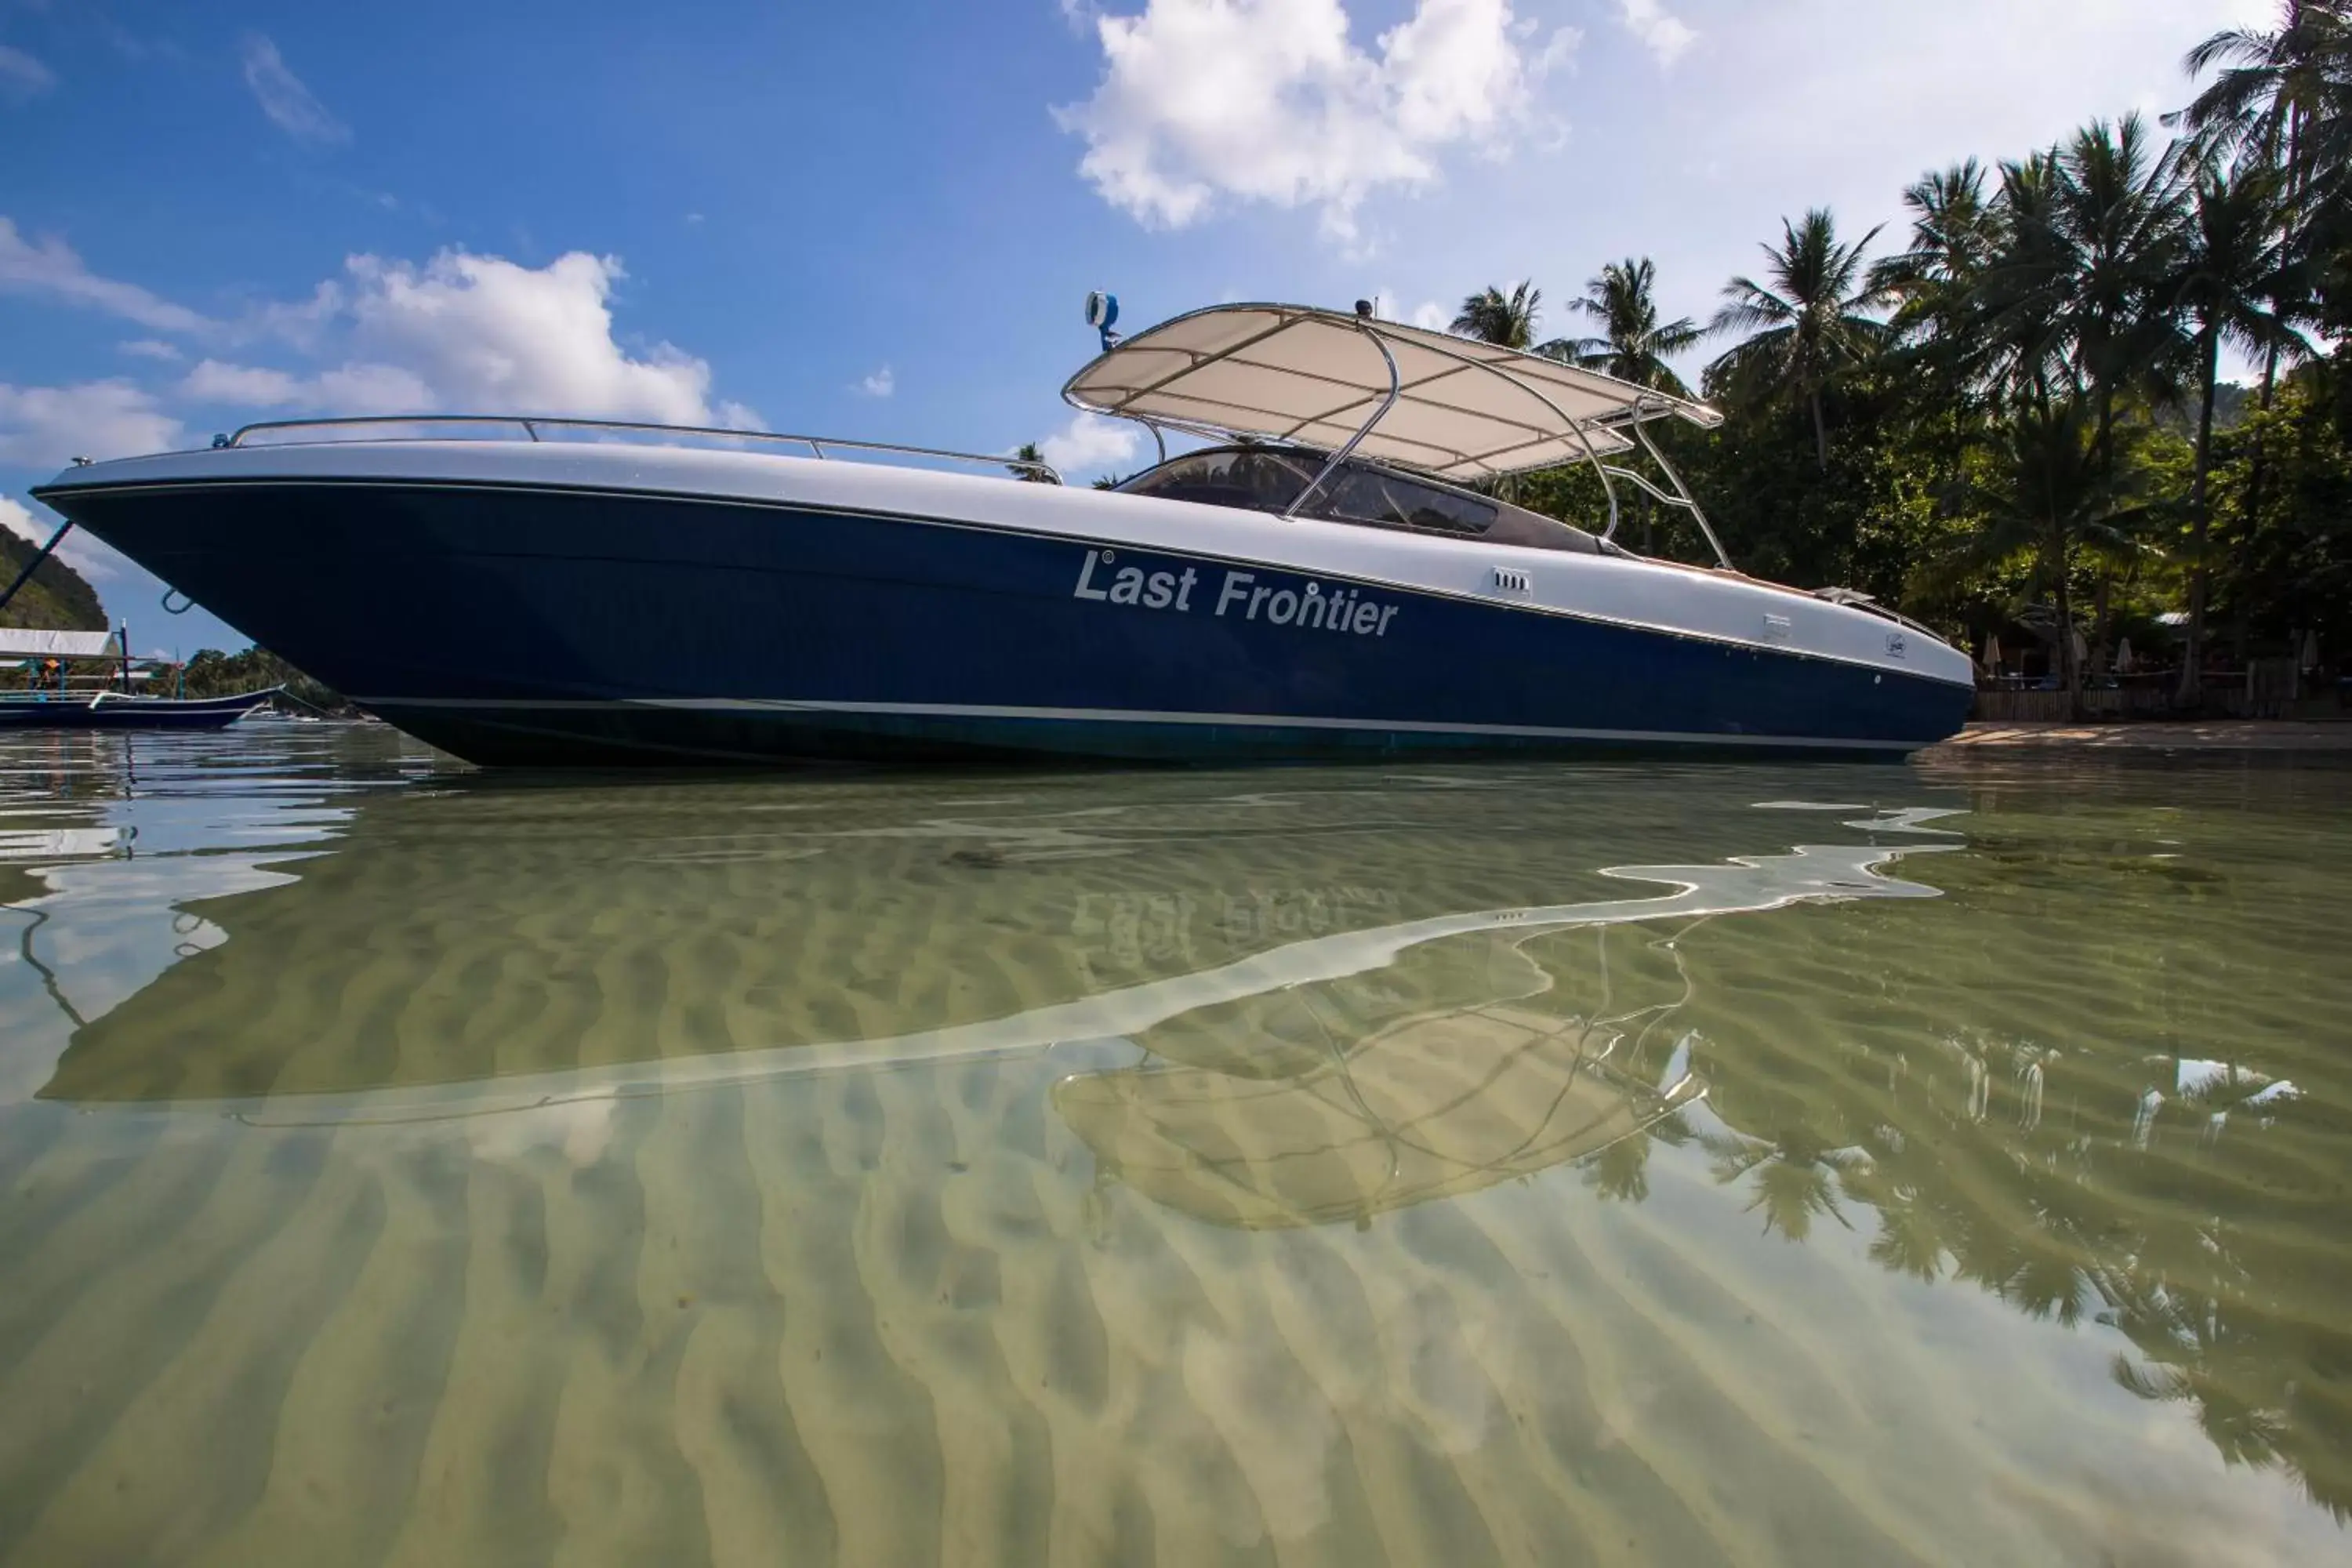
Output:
[[1456, 408]]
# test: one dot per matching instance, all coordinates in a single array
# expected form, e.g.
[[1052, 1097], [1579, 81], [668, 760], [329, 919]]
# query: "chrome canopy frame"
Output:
[[1638, 413], [1339, 456]]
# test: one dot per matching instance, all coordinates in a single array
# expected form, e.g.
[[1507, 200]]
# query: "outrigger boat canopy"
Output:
[[1456, 408], [16, 642]]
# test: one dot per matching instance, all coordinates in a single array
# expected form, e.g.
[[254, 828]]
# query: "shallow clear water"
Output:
[[1539, 1164]]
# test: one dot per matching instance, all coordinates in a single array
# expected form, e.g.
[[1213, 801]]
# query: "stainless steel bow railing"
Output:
[[531, 424]]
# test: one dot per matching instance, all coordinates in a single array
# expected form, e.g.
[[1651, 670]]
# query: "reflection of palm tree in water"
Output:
[[1796, 1178], [2021, 1171]]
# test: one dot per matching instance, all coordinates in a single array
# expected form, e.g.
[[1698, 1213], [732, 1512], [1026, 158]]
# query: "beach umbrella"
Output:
[[1992, 654], [2123, 656], [2310, 650], [2082, 649]]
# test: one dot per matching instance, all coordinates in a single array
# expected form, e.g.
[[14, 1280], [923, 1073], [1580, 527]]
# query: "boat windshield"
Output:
[[1265, 481], [1251, 479], [1259, 480]]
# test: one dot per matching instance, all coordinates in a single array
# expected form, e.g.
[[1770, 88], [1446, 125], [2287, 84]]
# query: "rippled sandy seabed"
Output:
[[1614, 1164]]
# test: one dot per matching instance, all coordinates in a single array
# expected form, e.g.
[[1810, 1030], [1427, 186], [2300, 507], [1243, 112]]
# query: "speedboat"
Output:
[[1335, 574]]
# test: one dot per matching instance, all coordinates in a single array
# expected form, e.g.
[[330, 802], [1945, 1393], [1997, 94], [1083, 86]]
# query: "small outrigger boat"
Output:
[[110, 707], [119, 711], [1326, 579]]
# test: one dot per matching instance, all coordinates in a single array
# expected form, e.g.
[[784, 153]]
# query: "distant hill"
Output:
[[2233, 401], [2230, 401], [211, 673], [57, 599]]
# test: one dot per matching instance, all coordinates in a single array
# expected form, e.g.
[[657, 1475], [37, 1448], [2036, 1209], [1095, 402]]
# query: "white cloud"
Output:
[[46, 427], [461, 332], [881, 383], [23, 77], [1090, 445], [302, 323], [50, 268], [18, 520], [482, 332], [242, 386], [291, 107], [364, 388], [355, 388], [1271, 101], [1662, 34], [468, 333], [1429, 313]]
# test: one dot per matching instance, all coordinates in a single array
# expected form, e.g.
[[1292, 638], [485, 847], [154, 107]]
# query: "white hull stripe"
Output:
[[1135, 716]]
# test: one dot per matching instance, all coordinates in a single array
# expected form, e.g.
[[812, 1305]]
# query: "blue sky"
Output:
[[880, 219]]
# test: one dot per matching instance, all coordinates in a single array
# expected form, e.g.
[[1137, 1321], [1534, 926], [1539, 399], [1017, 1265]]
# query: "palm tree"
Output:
[[2235, 265], [1955, 234], [2046, 489], [2017, 307], [1494, 316], [1633, 344], [2120, 214], [2284, 96], [1935, 287], [2118, 218], [1024, 465], [1808, 325]]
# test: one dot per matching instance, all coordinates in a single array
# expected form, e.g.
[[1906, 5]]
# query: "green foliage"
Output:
[[2284, 566], [2018, 415], [57, 599], [1633, 344], [1492, 316], [211, 673], [1805, 323]]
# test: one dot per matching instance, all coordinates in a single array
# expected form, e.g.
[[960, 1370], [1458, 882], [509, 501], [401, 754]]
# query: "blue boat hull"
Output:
[[537, 626]]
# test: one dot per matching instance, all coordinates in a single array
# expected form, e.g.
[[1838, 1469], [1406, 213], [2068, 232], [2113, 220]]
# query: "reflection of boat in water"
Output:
[[488, 949], [1322, 582], [1432, 1106]]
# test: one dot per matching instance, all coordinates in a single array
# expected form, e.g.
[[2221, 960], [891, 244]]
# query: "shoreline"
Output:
[[2220, 736]]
